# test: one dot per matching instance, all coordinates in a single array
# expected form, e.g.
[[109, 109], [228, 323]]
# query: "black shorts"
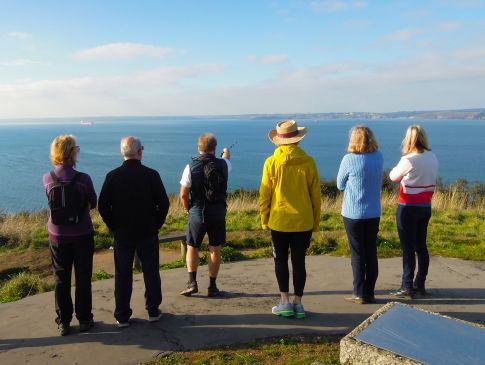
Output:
[[212, 222]]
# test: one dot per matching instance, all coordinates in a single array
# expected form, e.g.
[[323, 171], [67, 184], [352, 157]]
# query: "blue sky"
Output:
[[93, 58]]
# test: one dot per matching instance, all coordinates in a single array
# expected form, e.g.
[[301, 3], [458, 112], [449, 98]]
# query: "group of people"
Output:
[[134, 205]]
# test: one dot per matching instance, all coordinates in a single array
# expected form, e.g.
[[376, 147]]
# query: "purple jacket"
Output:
[[72, 233]]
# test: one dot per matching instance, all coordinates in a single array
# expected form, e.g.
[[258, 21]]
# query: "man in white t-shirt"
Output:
[[203, 192]]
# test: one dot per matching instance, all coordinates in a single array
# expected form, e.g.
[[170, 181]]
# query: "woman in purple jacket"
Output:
[[70, 243]]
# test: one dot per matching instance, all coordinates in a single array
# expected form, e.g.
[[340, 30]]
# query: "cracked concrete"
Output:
[[28, 334]]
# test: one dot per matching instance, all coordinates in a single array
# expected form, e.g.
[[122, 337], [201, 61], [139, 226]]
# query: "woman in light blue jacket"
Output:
[[360, 177]]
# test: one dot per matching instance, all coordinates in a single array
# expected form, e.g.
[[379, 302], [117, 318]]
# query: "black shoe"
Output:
[[64, 329], [403, 293], [213, 291], [368, 300], [420, 292], [85, 325], [191, 288]]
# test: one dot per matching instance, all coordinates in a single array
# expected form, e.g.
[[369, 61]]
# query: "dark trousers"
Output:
[[297, 243], [64, 256], [124, 252], [412, 226], [362, 236]]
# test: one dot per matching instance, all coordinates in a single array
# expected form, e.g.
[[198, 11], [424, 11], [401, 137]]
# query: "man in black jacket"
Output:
[[133, 204]]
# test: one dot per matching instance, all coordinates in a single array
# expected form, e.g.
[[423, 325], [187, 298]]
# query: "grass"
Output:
[[457, 229], [295, 350], [22, 285]]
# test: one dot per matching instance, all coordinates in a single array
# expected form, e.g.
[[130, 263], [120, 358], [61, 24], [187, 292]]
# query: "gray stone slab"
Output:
[[426, 337]]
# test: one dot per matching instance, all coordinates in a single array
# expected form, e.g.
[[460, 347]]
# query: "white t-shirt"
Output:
[[186, 180]]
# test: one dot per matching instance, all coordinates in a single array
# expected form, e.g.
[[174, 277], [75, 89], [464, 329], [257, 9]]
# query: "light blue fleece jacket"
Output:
[[360, 177]]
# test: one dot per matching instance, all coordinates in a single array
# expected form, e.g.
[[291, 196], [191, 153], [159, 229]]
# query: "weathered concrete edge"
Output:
[[353, 351]]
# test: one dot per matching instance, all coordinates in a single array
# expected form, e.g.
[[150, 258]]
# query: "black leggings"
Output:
[[298, 243]]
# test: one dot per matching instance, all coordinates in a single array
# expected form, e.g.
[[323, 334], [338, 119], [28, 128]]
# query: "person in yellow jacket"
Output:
[[289, 204]]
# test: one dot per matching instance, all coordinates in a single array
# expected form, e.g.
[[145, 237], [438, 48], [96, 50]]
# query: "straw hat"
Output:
[[287, 132]]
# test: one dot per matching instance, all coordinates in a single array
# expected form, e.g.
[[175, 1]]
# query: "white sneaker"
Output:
[[123, 324], [155, 317]]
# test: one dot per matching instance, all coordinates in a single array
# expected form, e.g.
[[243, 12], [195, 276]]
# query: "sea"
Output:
[[169, 143]]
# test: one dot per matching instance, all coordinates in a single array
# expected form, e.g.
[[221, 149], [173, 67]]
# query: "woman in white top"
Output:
[[417, 173]]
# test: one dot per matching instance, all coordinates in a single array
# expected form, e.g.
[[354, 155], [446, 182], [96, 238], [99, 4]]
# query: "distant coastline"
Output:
[[466, 114], [469, 114]]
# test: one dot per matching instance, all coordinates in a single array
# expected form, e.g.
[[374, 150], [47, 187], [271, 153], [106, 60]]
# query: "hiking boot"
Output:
[[299, 311], [123, 324], [283, 310], [64, 329], [403, 293], [213, 291], [191, 288], [85, 325], [155, 317]]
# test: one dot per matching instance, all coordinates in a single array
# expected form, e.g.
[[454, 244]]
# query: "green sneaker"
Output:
[[284, 310], [299, 310]]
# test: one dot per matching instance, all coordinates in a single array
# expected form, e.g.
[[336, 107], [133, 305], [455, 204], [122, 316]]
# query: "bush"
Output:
[[100, 275], [21, 286], [229, 254], [173, 265]]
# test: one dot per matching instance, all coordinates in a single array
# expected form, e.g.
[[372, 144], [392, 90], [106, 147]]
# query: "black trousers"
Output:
[[412, 226], [297, 243], [124, 252], [362, 236], [64, 256]]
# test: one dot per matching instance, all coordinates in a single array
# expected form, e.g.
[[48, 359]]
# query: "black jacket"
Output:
[[133, 202]]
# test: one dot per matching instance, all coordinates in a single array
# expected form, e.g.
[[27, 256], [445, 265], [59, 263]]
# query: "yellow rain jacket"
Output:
[[289, 196]]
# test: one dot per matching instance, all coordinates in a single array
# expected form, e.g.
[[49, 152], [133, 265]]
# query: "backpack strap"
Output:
[[55, 178], [58, 182]]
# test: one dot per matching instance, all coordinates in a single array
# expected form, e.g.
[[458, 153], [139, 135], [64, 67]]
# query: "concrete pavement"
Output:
[[28, 334]]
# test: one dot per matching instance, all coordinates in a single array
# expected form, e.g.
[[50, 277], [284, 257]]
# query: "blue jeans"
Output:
[[412, 226], [362, 236]]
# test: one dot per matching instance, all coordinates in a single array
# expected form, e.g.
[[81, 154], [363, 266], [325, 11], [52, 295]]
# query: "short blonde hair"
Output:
[[62, 150], [415, 140], [362, 140], [207, 142]]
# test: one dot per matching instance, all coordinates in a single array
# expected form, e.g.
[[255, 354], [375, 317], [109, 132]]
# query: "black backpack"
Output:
[[65, 203], [215, 181]]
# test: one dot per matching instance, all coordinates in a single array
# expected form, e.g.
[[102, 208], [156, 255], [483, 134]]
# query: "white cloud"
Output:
[[470, 53], [336, 5], [402, 35], [268, 59], [20, 36], [18, 62], [450, 26], [123, 50], [136, 93]]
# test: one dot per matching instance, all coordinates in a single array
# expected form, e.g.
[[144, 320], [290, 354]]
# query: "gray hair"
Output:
[[130, 146]]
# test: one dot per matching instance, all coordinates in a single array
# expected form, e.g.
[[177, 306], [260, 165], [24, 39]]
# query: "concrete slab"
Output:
[[399, 333], [28, 334]]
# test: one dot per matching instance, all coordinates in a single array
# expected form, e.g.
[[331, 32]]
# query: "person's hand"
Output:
[[226, 153]]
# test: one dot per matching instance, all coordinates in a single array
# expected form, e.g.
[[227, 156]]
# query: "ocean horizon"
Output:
[[170, 142]]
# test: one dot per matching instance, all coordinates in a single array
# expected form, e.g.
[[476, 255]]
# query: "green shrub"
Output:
[[21, 286], [173, 265], [229, 254], [322, 247], [40, 238], [100, 275]]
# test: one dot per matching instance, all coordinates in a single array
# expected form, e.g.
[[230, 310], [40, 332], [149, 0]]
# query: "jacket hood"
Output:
[[290, 155]]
